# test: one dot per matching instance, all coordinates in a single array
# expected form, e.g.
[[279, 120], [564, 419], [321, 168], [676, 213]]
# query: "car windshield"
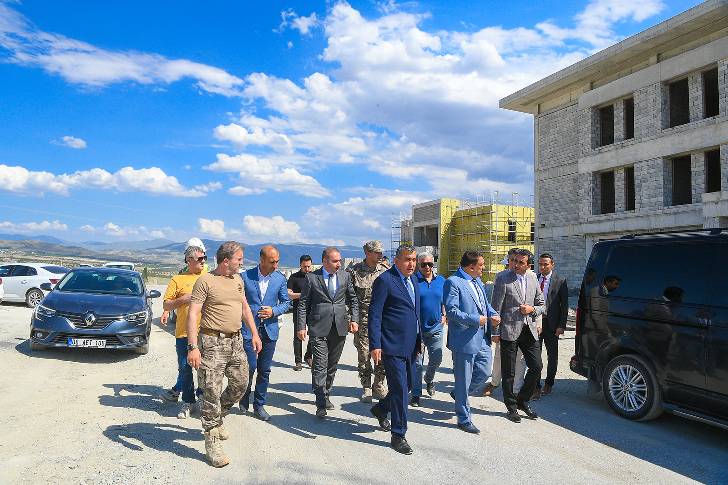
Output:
[[101, 282], [56, 269], [4, 270]]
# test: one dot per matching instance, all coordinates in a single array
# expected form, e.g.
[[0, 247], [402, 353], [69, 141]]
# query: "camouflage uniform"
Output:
[[221, 357], [363, 278]]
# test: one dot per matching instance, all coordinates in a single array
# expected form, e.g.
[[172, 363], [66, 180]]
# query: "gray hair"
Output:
[[328, 250], [192, 250], [422, 256], [404, 248], [227, 250]]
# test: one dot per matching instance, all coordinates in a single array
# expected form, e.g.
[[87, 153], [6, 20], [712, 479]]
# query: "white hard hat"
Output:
[[195, 241]]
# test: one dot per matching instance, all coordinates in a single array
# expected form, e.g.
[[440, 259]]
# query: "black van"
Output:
[[652, 325]]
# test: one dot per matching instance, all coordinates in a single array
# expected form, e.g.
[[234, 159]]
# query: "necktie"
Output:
[[481, 300], [410, 290], [543, 280], [330, 285]]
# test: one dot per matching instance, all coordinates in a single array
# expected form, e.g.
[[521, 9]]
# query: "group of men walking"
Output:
[[396, 313]]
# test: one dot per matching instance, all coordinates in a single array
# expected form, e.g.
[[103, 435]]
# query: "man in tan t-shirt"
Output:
[[218, 350]]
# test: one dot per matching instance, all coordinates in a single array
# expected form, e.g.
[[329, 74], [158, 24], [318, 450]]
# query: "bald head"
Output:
[[269, 259]]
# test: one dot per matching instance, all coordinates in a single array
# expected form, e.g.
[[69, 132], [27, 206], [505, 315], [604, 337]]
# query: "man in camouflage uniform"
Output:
[[362, 276]]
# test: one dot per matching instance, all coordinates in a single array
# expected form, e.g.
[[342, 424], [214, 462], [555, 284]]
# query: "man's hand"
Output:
[[539, 328], [376, 356], [265, 312], [164, 318], [301, 335], [257, 344], [495, 320], [353, 327], [443, 319], [194, 358], [483, 320], [526, 309], [495, 339], [559, 331]]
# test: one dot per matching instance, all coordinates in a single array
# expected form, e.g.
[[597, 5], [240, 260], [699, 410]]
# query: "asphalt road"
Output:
[[95, 417]]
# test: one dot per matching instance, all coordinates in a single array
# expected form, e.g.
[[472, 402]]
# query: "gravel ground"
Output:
[[95, 417]]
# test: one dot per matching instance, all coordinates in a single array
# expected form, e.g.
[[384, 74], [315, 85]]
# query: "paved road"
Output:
[[94, 417]]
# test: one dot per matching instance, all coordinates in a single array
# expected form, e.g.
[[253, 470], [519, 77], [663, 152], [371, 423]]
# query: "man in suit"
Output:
[[556, 294], [267, 295], [518, 299], [469, 332], [322, 313], [394, 340]]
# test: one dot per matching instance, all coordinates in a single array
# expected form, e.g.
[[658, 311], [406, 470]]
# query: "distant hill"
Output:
[[125, 245], [25, 237]]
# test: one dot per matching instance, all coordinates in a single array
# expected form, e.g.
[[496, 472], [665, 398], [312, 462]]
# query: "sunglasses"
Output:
[[429, 265], [201, 259]]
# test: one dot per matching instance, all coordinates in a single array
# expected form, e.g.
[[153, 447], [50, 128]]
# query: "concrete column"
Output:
[[619, 199], [664, 104], [647, 114], [649, 185], [723, 87], [596, 194], [619, 121], [667, 182], [724, 168], [695, 90], [697, 174], [594, 132]]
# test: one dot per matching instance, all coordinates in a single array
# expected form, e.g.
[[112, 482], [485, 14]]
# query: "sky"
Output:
[[315, 121]]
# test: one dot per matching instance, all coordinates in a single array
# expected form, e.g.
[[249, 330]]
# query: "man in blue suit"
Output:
[[469, 332], [267, 294], [394, 340]]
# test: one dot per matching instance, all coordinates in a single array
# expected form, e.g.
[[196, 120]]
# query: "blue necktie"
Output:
[[410, 290], [481, 300], [332, 290]]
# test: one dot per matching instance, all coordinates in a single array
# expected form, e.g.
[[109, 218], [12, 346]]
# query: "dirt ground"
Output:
[[92, 416]]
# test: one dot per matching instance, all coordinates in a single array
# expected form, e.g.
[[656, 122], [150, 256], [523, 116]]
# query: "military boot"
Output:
[[213, 449], [379, 389], [366, 396], [224, 435]]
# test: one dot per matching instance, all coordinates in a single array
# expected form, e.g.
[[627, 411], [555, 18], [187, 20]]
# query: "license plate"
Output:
[[87, 342]]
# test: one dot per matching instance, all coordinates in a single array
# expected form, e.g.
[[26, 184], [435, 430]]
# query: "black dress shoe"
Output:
[[530, 413], [452, 395], [381, 416], [298, 366], [329, 405], [261, 414], [513, 416], [415, 402], [431, 389], [400, 445], [245, 406], [320, 412], [469, 428]]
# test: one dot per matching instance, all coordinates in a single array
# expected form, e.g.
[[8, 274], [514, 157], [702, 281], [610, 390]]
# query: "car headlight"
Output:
[[137, 318], [43, 311]]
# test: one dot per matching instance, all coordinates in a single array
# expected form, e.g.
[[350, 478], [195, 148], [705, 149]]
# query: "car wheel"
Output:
[[631, 389], [143, 350], [33, 298]]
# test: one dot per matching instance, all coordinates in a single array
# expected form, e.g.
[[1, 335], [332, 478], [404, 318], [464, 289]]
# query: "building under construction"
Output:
[[447, 228]]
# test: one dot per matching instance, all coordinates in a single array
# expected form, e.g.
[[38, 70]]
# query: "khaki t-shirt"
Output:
[[222, 302]]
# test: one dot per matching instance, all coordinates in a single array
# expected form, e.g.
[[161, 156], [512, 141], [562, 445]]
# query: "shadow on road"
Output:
[[162, 437], [169, 328], [139, 396], [84, 356]]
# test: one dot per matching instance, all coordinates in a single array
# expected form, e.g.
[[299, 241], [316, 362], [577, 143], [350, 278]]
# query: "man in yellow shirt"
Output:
[[177, 297]]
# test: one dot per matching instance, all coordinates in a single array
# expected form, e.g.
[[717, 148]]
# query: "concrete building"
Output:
[[632, 139], [446, 228]]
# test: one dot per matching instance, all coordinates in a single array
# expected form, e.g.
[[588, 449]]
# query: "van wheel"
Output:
[[33, 298], [631, 389]]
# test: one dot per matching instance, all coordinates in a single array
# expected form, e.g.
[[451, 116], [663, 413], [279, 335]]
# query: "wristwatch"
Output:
[[191, 347]]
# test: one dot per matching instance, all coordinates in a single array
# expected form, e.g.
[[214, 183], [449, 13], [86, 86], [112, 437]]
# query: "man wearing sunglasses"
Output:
[[177, 297], [432, 320]]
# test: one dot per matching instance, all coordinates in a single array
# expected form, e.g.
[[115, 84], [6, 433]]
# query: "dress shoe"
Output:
[[430, 388], [452, 395], [320, 412], [381, 416], [469, 428], [298, 366], [488, 390], [261, 414], [546, 389], [329, 404], [536, 394], [513, 416], [415, 402], [400, 445], [309, 362], [244, 406], [530, 413]]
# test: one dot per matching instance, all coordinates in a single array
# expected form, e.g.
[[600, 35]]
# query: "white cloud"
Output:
[[32, 227], [212, 227], [152, 180], [290, 19], [257, 135], [88, 228], [114, 230], [72, 142], [275, 228], [87, 65]]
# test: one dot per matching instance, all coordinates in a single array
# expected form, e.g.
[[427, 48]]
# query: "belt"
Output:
[[215, 333]]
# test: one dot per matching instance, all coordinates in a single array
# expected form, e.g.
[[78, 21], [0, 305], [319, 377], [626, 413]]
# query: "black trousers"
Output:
[[298, 349], [551, 340], [532, 354], [326, 353]]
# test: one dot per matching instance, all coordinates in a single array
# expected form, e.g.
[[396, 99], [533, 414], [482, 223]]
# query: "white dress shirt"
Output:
[[546, 285], [522, 284], [326, 279], [263, 283]]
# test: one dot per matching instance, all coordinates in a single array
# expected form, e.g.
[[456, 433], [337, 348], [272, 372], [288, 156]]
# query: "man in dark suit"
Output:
[[394, 340], [556, 294], [322, 313]]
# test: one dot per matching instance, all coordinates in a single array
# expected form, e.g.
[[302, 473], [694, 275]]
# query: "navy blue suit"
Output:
[[394, 328], [276, 297]]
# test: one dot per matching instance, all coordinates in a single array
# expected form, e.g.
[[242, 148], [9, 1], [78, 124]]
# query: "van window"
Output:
[[664, 272]]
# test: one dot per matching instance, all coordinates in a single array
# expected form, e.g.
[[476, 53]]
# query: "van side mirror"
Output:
[[153, 294]]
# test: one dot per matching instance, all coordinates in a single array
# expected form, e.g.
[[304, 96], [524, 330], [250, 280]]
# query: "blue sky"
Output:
[[274, 121]]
